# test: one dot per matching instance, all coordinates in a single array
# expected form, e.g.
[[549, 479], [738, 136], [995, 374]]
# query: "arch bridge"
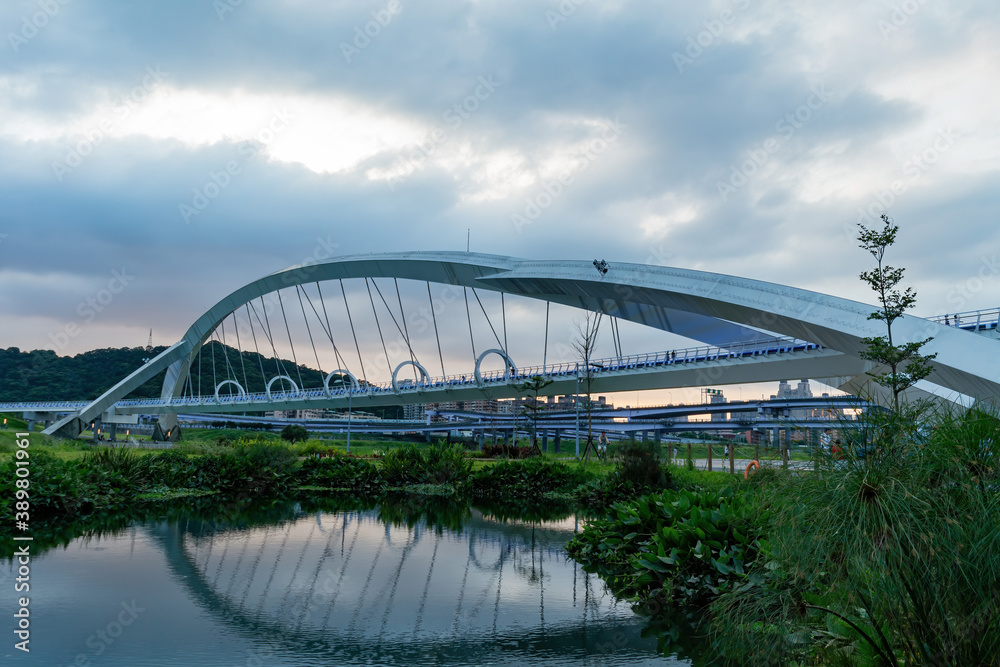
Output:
[[474, 306]]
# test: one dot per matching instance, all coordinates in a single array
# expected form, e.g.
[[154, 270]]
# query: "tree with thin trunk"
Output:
[[585, 344], [906, 364], [533, 410]]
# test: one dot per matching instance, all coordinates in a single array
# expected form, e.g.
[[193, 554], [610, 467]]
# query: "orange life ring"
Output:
[[752, 464]]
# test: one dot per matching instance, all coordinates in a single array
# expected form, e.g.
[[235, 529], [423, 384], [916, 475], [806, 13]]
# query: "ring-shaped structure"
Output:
[[280, 377], [711, 308], [508, 364], [242, 391], [416, 364], [355, 385]]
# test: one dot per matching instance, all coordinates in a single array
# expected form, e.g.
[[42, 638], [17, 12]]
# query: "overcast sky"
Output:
[[174, 151]]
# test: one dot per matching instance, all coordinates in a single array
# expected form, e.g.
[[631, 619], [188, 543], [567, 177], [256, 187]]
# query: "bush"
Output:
[[685, 546], [294, 433], [342, 472], [508, 452], [526, 479], [891, 555], [437, 464]]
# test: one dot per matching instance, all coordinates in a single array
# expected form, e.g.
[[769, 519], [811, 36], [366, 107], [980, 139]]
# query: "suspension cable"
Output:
[[488, 319], [288, 331], [545, 348], [436, 336], [503, 311], [406, 331], [327, 328], [215, 381], [225, 353], [353, 332], [260, 357], [379, 327], [236, 325], [402, 333], [278, 366], [319, 366], [468, 315]]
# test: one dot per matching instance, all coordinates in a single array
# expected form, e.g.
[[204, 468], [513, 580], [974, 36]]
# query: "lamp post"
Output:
[[576, 405]]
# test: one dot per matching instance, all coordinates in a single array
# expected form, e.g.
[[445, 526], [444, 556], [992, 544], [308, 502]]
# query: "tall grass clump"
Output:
[[888, 556]]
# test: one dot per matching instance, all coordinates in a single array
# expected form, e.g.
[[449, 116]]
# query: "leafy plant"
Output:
[[907, 365], [530, 478], [342, 472]]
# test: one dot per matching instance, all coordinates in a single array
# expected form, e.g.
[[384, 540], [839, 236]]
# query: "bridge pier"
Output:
[[545, 441], [557, 438]]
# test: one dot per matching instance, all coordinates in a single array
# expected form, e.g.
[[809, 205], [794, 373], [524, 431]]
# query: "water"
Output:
[[296, 585]]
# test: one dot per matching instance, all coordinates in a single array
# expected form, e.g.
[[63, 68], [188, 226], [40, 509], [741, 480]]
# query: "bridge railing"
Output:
[[973, 320], [701, 353]]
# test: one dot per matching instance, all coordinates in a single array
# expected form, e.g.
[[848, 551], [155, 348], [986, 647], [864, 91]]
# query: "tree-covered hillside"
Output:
[[43, 375]]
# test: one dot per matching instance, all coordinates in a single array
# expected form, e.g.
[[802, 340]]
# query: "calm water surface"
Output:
[[361, 587]]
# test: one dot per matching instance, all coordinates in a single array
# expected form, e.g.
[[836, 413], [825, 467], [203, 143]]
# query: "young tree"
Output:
[[585, 344], [906, 364], [533, 410], [294, 433]]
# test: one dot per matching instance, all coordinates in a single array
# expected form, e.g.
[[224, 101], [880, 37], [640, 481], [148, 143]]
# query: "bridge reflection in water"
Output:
[[353, 588]]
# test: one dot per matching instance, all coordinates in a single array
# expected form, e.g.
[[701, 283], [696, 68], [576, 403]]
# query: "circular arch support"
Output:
[[295, 387], [416, 364], [242, 392], [509, 367], [355, 385]]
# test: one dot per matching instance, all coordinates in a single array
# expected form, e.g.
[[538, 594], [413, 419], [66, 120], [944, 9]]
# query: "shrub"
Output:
[[686, 546], [342, 472], [508, 452], [526, 479], [436, 464], [294, 433]]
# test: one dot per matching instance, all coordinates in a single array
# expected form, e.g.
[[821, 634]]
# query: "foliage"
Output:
[[508, 452], [436, 464], [882, 559], [686, 546], [342, 472], [637, 471], [294, 433], [906, 365], [530, 478]]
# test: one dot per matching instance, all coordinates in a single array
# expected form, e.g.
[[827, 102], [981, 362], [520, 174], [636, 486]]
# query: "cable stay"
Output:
[[436, 336], [490, 322], [378, 326], [288, 331], [239, 345], [260, 357], [319, 365], [401, 330], [327, 329], [353, 332]]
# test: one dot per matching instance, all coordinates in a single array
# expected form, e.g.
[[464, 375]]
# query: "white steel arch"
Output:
[[713, 308]]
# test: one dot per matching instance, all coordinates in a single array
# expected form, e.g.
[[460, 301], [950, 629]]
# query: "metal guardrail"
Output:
[[974, 320], [678, 357]]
